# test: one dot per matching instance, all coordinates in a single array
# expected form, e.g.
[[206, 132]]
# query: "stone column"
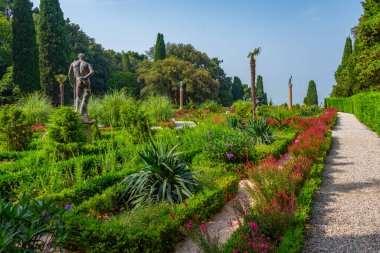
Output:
[[181, 96], [290, 102]]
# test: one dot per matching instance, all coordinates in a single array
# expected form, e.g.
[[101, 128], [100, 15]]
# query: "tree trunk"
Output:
[[253, 82], [62, 91]]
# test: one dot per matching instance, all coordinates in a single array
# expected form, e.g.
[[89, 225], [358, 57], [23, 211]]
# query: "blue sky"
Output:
[[304, 38]]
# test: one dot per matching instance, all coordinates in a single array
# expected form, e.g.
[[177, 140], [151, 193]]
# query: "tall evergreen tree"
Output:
[[54, 47], [343, 74], [260, 87], [265, 99], [26, 72], [312, 95], [160, 48], [237, 89]]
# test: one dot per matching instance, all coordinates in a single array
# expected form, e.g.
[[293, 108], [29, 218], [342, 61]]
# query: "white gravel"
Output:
[[346, 212]]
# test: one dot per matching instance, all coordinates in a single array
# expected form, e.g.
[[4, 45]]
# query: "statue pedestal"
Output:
[[87, 128]]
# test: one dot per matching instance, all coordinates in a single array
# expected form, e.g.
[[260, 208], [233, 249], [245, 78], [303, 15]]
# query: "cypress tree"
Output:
[[54, 47], [237, 89], [26, 72], [312, 95], [260, 87], [160, 48], [265, 99], [343, 74]]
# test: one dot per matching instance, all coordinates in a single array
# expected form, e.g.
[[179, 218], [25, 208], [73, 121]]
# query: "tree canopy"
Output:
[[163, 78]]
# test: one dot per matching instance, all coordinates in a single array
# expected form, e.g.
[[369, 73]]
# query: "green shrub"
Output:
[[365, 106], [166, 177], [135, 120], [157, 109], [230, 146], [9, 92], [15, 132], [259, 131], [65, 136], [37, 108], [211, 106], [108, 108], [308, 111], [243, 109]]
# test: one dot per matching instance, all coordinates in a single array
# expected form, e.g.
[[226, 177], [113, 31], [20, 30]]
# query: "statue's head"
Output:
[[81, 56]]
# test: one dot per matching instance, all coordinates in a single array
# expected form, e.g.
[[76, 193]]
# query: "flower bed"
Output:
[[282, 195]]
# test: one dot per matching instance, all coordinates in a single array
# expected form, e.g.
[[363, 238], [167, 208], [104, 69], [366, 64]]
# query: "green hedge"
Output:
[[278, 147], [150, 229], [365, 106], [12, 155]]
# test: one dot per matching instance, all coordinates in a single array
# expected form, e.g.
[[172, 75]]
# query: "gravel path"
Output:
[[346, 213], [218, 226]]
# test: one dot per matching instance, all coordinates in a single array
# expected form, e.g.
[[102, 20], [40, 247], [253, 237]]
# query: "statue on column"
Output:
[[79, 75]]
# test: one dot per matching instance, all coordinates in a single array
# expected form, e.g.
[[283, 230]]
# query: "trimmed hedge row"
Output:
[[9, 183], [12, 155], [151, 229], [277, 148], [365, 106]]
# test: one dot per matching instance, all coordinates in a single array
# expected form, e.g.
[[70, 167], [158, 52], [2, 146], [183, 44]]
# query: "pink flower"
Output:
[[253, 225], [203, 228], [188, 225]]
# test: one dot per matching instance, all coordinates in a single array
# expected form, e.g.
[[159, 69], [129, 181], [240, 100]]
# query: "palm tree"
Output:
[[61, 79], [252, 55]]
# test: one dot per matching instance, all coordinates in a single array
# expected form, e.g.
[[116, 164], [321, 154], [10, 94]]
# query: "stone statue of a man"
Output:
[[79, 76]]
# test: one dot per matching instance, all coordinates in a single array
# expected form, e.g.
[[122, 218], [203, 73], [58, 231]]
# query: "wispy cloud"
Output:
[[311, 14]]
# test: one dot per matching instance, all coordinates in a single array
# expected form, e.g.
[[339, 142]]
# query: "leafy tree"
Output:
[[6, 8], [367, 48], [5, 44], [312, 95], [343, 75], [127, 67], [163, 77], [237, 89], [251, 56], [54, 46], [124, 80], [26, 73], [9, 92], [160, 49], [95, 54]]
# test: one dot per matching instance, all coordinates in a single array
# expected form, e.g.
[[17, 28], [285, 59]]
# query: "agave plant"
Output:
[[260, 131], [166, 177], [235, 122]]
